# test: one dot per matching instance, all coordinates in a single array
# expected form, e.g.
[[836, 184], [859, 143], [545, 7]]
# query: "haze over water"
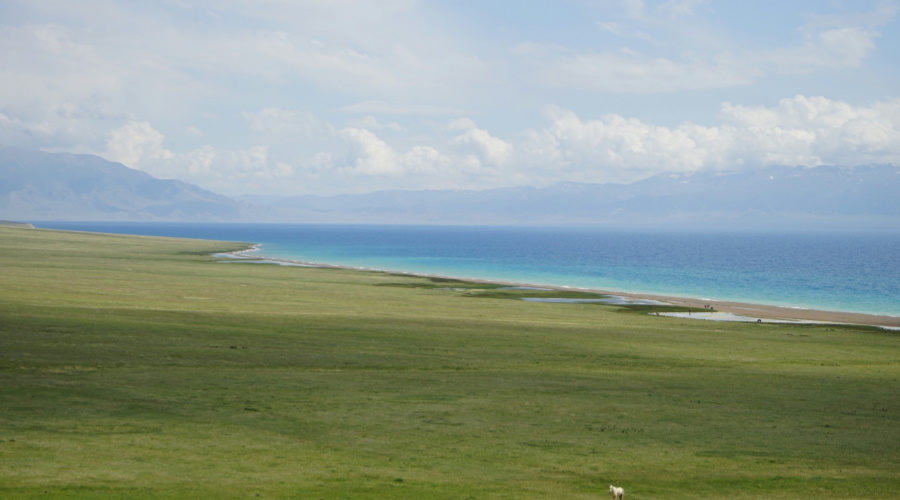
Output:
[[853, 272]]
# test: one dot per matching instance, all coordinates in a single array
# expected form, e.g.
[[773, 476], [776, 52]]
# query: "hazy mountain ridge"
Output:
[[44, 186], [822, 196], [41, 186]]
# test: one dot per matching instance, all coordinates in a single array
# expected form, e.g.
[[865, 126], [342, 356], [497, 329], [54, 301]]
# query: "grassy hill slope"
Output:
[[136, 367]]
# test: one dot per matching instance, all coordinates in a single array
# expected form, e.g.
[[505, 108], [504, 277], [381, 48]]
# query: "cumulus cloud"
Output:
[[797, 131], [138, 145], [617, 149], [374, 157], [610, 148], [479, 143], [134, 143], [425, 159], [815, 130]]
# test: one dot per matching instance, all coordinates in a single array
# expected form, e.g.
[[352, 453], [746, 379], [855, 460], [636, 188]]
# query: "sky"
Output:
[[292, 97]]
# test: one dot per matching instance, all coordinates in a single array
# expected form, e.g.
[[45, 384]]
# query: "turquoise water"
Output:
[[854, 272]]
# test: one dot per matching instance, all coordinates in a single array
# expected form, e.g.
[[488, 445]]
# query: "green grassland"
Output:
[[135, 367]]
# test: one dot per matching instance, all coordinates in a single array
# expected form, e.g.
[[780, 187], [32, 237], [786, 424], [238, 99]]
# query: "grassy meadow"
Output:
[[135, 367]]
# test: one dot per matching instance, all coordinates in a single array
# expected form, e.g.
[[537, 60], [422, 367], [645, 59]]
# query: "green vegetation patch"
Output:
[[519, 294], [142, 368], [435, 283], [654, 308]]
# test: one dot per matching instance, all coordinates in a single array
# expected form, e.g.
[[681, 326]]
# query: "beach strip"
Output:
[[760, 311]]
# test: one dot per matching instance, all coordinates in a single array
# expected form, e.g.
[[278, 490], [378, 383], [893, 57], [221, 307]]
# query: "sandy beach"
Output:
[[777, 312], [760, 311]]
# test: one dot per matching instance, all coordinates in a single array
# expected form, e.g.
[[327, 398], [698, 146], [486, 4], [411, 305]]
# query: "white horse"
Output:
[[617, 493]]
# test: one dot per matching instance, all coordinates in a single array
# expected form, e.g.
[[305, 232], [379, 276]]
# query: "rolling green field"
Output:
[[134, 367]]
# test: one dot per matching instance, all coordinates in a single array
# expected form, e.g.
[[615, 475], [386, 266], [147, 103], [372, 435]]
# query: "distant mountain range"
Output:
[[45, 186], [866, 197]]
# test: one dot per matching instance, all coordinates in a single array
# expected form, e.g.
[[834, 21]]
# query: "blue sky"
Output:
[[346, 96]]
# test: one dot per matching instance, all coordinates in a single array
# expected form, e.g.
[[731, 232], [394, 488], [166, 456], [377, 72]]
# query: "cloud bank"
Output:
[[332, 96], [802, 131]]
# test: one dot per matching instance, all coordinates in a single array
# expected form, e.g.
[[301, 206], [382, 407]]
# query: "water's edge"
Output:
[[852, 273]]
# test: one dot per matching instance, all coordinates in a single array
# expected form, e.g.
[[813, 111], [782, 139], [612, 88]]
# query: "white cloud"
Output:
[[138, 145], [617, 149], [480, 143], [815, 130], [610, 148], [798, 131], [134, 143], [374, 157], [425, 159]]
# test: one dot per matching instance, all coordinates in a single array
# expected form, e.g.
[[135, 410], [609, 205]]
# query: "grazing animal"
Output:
[[617, 493]]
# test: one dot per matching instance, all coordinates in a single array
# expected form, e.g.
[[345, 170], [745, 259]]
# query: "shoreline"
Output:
[[749, 310]]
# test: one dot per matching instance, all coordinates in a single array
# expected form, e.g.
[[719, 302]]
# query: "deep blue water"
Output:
[[857, 272]]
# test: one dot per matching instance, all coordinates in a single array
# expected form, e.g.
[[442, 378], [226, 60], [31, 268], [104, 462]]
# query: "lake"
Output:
[[853, 272]]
